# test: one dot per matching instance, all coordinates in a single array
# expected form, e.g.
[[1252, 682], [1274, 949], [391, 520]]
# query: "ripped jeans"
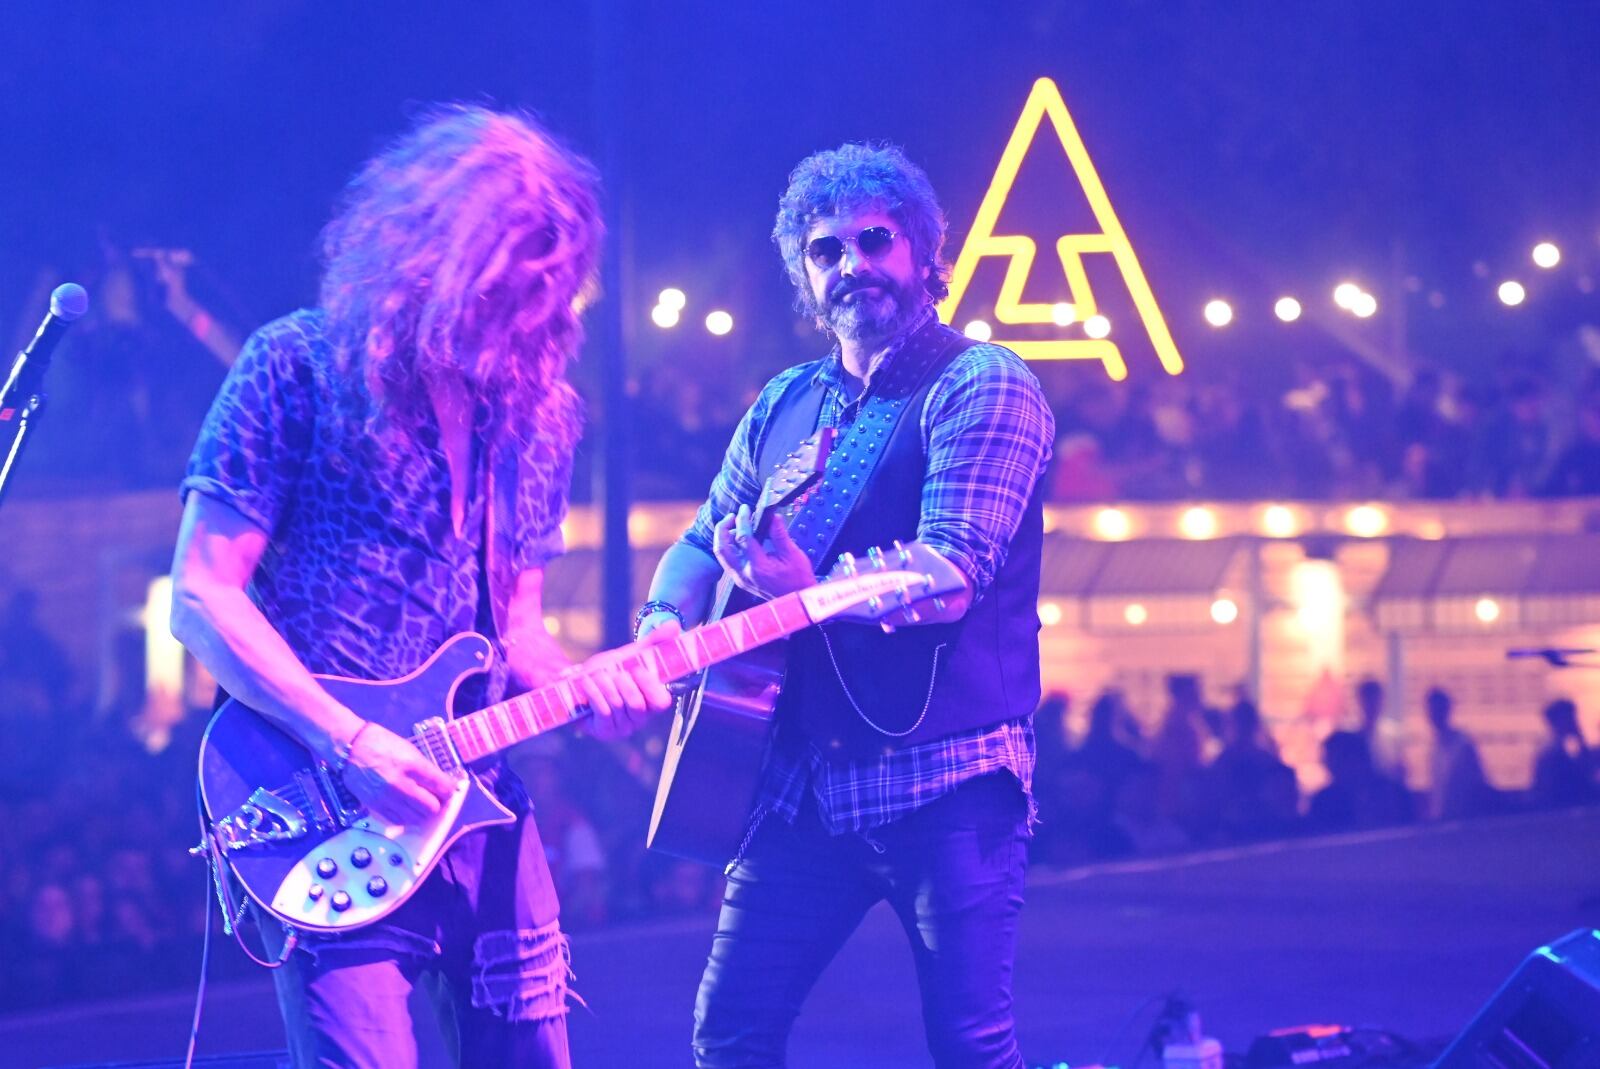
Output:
[[481, 937]]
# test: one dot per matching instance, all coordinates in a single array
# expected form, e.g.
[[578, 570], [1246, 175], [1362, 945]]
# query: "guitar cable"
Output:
[[200, 990]]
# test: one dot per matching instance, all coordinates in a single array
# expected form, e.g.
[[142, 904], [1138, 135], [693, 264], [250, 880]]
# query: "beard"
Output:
[[882, 310]]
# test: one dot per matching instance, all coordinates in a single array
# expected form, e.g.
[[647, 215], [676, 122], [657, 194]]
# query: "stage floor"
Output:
[[1409, 930]]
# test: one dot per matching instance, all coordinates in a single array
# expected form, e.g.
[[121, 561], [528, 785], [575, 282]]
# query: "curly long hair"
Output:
[[849, 178], [468, 248]]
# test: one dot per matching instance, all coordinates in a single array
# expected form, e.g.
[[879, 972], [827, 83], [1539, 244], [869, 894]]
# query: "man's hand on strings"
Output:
[[624, 686], [392, 777], [767, 568]]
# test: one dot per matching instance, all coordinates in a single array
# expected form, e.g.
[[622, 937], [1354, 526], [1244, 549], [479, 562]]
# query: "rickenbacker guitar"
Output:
[[307, 852], [711, 768]]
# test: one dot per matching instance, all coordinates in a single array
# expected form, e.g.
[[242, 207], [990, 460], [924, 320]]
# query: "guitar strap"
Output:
[[816, 519]]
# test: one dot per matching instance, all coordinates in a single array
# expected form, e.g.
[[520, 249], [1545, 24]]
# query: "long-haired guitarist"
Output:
[[902, 763], [376, 475]]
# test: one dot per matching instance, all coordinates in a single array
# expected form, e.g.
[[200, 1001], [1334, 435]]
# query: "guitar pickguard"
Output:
[[357, 875]]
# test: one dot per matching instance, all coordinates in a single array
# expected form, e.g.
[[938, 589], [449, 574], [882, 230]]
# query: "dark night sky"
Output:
[[1250, 147]]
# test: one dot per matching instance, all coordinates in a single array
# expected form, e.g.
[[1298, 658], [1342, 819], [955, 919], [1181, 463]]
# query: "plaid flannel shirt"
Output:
[[987, 431]]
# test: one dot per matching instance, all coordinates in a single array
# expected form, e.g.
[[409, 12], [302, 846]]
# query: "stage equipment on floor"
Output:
[[1547, 1016]]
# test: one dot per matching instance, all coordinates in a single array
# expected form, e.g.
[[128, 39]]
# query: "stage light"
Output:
[[1366, 521], [1287, 309], [1511, 293], [672, 297], [719, 322], [664, 316], [1136, 614], [1097, 326], [1278, 522], [1345, 294], [978, 330], [1224, 610], [1049, 613], [1316, 590], [1546, 254], [1219, 313], [1063, 313], [163, 667], [1198, 522], [1113, 525], [1487, 610], [1365, 306]]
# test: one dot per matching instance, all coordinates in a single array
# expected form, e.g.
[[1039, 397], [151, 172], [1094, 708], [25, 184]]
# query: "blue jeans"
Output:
[[480, 937], [952, 871]]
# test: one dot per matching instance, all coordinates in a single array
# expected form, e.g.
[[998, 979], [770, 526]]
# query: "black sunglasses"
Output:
[[873, 242]]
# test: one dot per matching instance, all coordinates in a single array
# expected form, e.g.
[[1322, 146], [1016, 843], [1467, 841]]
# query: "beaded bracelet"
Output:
[[651, 607], [341, 754]]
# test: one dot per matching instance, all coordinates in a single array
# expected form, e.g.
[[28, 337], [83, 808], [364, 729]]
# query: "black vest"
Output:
[[922, 682]]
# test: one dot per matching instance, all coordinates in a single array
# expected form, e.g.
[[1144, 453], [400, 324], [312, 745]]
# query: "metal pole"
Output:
[[608, 68]]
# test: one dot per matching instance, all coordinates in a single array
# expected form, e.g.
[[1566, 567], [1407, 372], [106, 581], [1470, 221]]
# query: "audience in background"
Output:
[[1456, 784], [1564, 771], [1358, 795], [1248, 792]]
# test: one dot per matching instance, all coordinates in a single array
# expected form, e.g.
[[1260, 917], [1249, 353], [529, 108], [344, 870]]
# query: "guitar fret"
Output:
[[551, 713], [716, 642], [674, 660]]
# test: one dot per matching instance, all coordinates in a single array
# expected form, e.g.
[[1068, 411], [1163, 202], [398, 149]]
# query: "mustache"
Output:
[[847, 286]]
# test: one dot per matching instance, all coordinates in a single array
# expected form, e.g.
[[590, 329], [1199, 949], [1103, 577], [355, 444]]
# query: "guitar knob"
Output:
[[314, 892], [361, 857], [327, 868], [396, 860], [377, 887], [340, 901]]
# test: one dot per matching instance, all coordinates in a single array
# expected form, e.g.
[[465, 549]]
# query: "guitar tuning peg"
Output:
[[875, 555], [938, 605], [847, 562], [888, 628], [904, 553], [875, 603]]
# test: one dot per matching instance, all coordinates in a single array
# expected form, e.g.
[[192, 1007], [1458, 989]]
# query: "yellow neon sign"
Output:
[[1009, 308]]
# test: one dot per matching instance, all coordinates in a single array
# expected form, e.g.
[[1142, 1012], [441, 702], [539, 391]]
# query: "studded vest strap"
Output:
[[817, 518]]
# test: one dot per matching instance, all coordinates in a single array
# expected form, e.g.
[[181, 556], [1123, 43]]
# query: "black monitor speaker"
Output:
[[1547, 1016]]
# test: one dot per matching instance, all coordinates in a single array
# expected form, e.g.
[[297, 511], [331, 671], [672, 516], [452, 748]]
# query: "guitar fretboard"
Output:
[[493, 729]]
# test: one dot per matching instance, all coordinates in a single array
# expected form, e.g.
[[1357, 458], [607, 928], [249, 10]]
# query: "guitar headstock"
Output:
[[887, 587], [795, 475]]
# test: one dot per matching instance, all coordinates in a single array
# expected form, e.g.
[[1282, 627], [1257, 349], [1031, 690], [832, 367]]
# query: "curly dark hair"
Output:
[[849, 178]]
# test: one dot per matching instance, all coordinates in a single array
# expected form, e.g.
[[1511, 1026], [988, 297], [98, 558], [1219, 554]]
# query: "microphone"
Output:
[[68, 301], [1556, 655]]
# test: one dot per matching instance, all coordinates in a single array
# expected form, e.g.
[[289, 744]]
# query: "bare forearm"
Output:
[[687, 578], [224, 629]]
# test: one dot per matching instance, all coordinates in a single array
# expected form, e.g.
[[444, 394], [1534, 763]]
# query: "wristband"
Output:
[[651, 607]]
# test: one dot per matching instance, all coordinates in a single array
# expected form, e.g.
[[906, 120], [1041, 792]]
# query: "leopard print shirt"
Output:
[[364, 575]]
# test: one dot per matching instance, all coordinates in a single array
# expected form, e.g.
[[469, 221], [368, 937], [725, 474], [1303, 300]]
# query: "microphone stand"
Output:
[[27, 409]]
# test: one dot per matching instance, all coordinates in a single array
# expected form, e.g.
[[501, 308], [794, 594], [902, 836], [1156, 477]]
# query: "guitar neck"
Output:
[[514, 720]]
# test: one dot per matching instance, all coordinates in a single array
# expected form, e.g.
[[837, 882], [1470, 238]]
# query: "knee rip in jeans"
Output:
[[523, 974]]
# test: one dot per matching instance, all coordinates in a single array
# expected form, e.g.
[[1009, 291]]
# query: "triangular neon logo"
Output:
[[1009, 308]]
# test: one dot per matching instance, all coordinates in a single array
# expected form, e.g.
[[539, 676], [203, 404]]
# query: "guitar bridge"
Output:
[[263, 818]]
